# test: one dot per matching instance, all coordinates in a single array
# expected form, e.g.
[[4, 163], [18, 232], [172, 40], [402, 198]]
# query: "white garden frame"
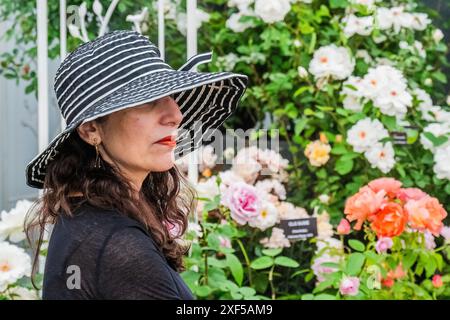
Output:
[[42, 61]]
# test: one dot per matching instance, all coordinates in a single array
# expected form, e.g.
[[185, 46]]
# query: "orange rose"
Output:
[[390, 185], [426, 214], [363, 204], [390, 221]]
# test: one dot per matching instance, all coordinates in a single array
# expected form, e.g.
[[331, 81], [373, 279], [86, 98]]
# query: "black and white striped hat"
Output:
[[123, 69]]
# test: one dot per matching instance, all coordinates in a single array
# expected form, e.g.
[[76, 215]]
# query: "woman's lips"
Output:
[[168, 141]]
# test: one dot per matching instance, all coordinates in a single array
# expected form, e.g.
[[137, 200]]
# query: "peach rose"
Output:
[[318, 153], [363, 204], [390, 185], [390, 221], [406, 194], [426, 214]]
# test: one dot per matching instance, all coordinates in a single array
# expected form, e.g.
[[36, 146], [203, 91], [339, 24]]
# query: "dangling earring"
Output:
[[97, 156]]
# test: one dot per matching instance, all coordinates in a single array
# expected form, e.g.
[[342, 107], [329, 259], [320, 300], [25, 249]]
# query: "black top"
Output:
[[102, 254]]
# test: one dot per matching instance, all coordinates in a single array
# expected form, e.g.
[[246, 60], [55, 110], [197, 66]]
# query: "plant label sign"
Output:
[[399, 137], [299, 229], [409, 136]]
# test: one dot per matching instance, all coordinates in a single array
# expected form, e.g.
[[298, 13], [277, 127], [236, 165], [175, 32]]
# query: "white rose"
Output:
[[442, 159], [332, 61], [437, 130], [438, 35], [267, 218], [381, 156], [355, 25], [302, 72], [11, 223], [272, 10], [15, 263], [365, 134], [235, 24]]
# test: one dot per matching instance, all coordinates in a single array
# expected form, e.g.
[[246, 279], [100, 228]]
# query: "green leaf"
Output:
[[357, 245], [300, 90], [247, 291], [286, 262], [325, 296], [323, 285], [236, 268], [349, 156], [236, 295], [300, 125], [272, 252], [390, 122], [437, 141], [430, 266], [203, 291], [355, 263], [260, 282], [339, 149], [439, 76], [190, 277], [343, 166], [409, 259], [334, 4], [312, 44], [262, 263], [447, 188], [213, 241]]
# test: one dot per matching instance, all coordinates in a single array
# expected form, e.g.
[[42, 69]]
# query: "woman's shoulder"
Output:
[[87, 221]]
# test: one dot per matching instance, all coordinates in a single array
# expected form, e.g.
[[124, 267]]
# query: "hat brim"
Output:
[[206, 100]]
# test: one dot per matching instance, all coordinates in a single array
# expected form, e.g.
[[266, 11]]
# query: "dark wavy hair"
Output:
[[165, 197]]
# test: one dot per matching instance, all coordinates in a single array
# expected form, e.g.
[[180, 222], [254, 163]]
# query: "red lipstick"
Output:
[[168, 141]]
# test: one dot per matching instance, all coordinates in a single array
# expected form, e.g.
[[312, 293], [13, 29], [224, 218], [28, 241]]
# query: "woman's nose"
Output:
[[174, 115]]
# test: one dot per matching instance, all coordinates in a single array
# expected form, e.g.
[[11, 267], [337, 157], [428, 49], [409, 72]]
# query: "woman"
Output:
[[117, 203]]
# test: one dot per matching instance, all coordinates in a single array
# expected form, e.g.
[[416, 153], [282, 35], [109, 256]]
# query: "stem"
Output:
[[272, 287], [206, 268], [296, 165], [247, 261], [440, 248]]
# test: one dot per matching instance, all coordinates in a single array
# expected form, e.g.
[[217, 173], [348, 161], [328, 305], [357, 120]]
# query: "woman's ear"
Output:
[[90, 132]]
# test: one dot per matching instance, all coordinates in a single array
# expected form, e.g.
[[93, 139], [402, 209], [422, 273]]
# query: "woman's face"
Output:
[[129, 138]]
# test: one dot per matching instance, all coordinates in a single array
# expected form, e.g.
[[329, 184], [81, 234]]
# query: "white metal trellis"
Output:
[[42, 52]]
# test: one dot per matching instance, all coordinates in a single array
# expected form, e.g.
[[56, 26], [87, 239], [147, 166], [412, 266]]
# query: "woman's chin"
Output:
[[165, 164]]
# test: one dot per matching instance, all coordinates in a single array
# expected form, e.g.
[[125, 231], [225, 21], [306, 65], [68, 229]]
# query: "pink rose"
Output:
[[437, 281], [173, 228], [383, 244], [445, 232], [349, 286], [243, 201], [406, 194], [389, 185], [343, 227], [225, 242]]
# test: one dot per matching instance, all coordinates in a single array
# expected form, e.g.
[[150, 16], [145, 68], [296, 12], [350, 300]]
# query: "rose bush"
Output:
[[15, 258], [355, 88], [395, 256], [238, 249]]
